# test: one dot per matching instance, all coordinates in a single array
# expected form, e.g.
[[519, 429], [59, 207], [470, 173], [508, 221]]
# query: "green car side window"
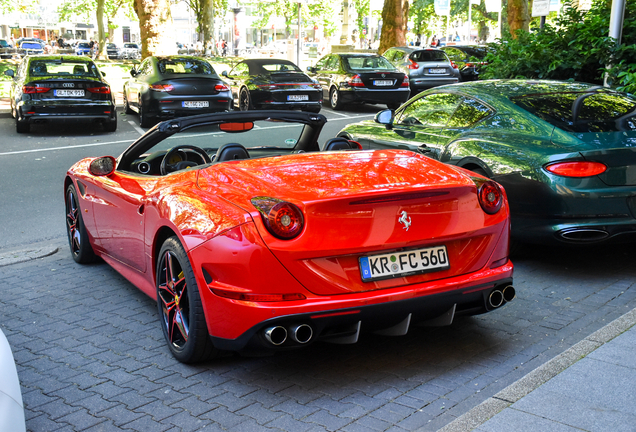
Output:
[[433, 110], [468, 113]]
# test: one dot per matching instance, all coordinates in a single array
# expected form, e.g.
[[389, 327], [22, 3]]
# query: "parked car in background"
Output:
[[272, 84], [54, 88], [565, 152], [29, 47], [114, 51], [6, 49], [425, 67], [83, 48], [11, 406], [164, 87], [131, 51], [360, 78], [251, 239], [468, 58]]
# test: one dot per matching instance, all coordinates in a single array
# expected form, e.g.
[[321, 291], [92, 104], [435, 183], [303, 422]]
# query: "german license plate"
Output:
[[396, 264], [437, 70], [297, 98], [69, 93], [196, 104], [379, 83]]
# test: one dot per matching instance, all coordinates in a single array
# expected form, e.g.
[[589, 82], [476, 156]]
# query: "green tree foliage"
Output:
[[577, 48], [362, 9], [23, 6], [314, 13]]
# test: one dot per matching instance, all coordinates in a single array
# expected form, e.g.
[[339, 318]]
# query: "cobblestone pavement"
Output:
[[91, 355]]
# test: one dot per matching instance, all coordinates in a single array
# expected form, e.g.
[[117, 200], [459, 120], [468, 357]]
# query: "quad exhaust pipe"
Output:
[[277, 335], [498, 297]]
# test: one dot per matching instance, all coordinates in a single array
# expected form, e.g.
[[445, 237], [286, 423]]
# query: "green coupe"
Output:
[[565, 152]]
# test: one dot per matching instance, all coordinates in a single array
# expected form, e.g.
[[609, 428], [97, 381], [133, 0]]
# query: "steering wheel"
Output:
[[166, 167]]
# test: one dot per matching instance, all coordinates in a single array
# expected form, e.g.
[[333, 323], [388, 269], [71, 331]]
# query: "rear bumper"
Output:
[[419, 84], [42, 112], [392, 318], [374, 96]]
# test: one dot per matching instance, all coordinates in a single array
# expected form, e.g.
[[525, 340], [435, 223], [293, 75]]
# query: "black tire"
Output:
[[110, 126], [245, 102], [127, 108], [22, 126], [81, 249], [180, 309], [145, 121], [334, 99]]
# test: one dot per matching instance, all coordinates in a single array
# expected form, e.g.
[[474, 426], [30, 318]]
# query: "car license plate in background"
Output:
[[297, 97], [71, 93], [196, 104], [390, 265], [379, 83], [437, 71]]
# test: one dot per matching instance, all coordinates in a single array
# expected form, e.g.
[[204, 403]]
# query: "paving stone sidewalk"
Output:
[[91, 356]]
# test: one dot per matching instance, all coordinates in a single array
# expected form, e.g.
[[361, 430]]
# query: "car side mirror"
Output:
[[224, 73], [311, 69], [134, 72], [102, 166], [385, 117], [9, 72], [103, 73]]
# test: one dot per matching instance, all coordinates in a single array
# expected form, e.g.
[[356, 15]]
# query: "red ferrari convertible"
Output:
[[250, 238]]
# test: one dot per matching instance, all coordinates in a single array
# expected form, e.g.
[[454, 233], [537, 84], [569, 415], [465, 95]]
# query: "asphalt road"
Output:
[[33, 165]]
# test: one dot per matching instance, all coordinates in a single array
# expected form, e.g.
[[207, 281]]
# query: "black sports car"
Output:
[[272, 83], [49, 88], [360, 78], [468, 59], [174, 86]]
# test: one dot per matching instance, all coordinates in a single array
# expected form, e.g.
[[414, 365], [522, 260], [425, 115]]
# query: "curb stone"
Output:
[[517, 390], [32, 253]]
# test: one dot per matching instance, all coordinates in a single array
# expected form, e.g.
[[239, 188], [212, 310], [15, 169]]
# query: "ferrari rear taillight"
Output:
[[490, 196], [221, 87], [576, 169], [405, 83], [281, 218], [162, 87], [34, 89], [413, 64], [99, 90], [356, 81]]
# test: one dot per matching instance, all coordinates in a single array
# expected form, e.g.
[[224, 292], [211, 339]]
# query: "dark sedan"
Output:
[[565, 152], [50, 88], [468, 58], [360, 78], [272, 84], [174, 86]]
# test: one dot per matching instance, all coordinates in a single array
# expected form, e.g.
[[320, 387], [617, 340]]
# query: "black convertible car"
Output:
[[271, 84]]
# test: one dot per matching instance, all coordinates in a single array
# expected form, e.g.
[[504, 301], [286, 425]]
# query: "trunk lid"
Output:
[[355, 212]]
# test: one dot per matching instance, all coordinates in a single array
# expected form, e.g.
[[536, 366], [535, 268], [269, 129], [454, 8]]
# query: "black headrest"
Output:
[[231, 151], [338, 143]]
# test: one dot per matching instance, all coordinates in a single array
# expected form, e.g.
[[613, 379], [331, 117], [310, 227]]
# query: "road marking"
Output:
[[64, 148], [340, 114], [136, 127]]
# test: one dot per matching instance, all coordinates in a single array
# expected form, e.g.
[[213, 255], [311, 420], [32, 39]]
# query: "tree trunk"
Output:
[[207, 27], [394, 20], [155, 26], [518, 16], [101, 35]]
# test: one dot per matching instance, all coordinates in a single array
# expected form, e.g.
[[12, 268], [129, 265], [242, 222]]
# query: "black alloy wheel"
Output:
[[81, 249], [180, 308], [245, 104], [145, 121], [334, 99]]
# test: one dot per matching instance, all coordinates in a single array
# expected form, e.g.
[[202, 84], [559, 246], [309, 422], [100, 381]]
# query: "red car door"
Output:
[[119, 217]]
